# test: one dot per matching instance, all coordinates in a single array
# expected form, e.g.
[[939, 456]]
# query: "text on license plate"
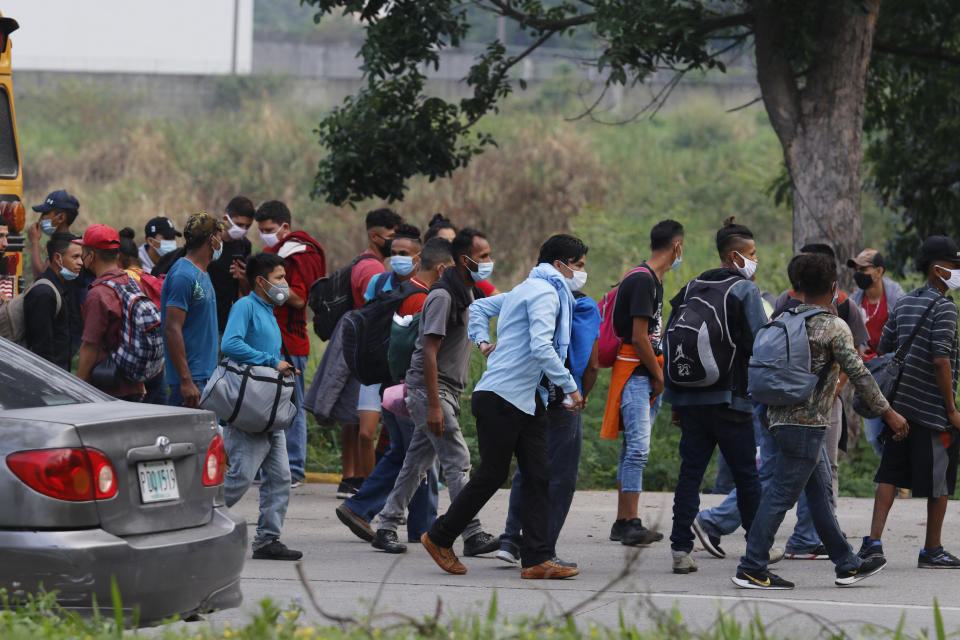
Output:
[[158, 481]]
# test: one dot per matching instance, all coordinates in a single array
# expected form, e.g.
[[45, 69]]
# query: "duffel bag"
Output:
[[250, 397]]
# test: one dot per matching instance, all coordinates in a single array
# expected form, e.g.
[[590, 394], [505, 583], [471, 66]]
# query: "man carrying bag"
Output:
[[252, 336]]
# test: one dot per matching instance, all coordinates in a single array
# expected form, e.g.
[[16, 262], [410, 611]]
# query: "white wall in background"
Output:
[[132, 36]]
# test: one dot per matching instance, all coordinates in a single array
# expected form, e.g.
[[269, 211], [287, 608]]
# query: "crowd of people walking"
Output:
[[742, 371]]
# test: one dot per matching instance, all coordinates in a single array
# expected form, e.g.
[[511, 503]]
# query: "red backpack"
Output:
[[608, 344]]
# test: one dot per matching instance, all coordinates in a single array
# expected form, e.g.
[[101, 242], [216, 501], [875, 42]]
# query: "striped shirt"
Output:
[[918, 397]]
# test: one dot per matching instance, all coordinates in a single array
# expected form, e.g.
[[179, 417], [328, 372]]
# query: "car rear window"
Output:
[[28, 381]]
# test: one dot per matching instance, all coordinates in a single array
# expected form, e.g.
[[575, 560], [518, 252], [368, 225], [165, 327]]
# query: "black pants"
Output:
[[502, 431], [704, 428]]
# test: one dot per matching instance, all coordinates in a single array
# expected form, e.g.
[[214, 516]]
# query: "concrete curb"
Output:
[[322, 478]]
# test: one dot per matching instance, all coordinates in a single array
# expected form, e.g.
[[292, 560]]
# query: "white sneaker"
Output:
[[776, 555], [506, 556]]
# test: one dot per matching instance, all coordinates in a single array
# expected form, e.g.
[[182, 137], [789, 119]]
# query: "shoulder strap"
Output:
[[901, 353], [53, 287]]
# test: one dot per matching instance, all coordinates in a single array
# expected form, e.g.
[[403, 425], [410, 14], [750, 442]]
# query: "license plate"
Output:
[[158, 481]]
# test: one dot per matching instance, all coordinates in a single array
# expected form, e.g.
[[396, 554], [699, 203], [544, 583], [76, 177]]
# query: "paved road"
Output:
[[346, 573]]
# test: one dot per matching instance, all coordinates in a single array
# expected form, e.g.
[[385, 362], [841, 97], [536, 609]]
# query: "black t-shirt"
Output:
[[225, 285], [640, 295]]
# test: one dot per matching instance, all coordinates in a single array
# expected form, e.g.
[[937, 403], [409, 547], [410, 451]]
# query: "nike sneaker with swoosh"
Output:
[[869, 567], [761, 580]]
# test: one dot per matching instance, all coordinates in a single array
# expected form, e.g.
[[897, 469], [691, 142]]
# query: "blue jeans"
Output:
[[871, 429], [638, 416], [724, 483], [704, 429], [175, 398], [724, 519], [802, 468], [268, 452], [564, 441], [156, 389], [297, 433], [369, 501]]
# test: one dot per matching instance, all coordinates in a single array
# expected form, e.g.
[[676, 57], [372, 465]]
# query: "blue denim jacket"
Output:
[[525, 343]]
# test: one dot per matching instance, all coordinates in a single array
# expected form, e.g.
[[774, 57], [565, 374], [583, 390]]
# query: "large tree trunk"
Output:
[[819, 124]]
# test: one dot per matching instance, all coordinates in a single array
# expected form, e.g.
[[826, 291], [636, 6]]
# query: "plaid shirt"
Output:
[[831, 345]]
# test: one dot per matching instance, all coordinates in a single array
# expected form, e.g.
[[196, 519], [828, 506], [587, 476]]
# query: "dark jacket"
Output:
[[47, 331], [225, 285]]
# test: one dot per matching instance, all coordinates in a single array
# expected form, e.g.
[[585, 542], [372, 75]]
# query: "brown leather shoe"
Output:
[[445, 558], [360, 527], [548, 570]]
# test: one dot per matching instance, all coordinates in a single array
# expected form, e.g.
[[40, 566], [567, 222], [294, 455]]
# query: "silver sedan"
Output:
[[93, 490]]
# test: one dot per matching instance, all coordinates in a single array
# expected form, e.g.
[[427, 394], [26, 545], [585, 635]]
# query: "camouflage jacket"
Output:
[[831, 345]]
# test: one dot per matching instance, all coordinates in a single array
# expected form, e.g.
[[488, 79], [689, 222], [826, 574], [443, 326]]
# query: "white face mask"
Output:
[[234, 231], [749, 266], [953, 282], [577, 280], [270, 240]]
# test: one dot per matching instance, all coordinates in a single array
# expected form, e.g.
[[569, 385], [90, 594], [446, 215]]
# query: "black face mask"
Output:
[[863, 280]]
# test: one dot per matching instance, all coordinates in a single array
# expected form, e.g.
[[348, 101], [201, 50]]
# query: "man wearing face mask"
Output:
[[188, 306], [57, 212], [564, 427], [636, 382], [509, 403], [48, 308], [161, 240], [227, 273], [359, 509], [436, 378], [711, 404], [877, 295], [253, 337], [357, 450], [305, 262], [925, 461]]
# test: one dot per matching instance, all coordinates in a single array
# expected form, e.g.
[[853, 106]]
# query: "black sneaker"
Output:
[[819, 552], [937, 559], [276, 550], [870, 549], [638, 535], [346, 489], [562, 563], [710, 543], [480, 543], [386, 540], [356, 483], [761, 580], [616, 531], [868, 567]]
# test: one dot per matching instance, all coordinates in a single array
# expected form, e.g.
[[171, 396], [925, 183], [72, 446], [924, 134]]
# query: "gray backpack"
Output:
[[779, 370], [249, 397], [13, 324]]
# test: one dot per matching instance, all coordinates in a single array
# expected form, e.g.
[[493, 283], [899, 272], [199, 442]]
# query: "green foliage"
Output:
[[912, 119]]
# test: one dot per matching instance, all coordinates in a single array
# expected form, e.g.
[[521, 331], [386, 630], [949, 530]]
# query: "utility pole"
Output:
[[236, 36]]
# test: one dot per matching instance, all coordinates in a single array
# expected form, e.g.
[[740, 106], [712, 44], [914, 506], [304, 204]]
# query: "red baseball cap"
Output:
[[101, 236]]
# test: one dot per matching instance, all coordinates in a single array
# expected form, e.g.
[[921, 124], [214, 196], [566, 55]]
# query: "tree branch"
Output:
[[927, 54], [540, 24], [744, 19]]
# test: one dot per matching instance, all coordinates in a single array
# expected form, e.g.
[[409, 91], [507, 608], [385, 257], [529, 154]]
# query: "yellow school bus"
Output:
[[11, 179]]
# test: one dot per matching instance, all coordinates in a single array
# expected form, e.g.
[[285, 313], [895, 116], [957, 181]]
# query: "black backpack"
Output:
[[366, 335], [331, 296], [698, 346]]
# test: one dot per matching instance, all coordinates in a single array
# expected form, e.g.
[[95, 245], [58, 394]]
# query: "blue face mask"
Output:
[[217, 253], [47, 226], [166, 246], [401, 265], [676, 264], [67, 274], [483, 272]]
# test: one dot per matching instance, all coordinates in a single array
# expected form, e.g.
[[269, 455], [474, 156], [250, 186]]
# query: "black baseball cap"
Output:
[[163, 226], [938, 248], [58, 199]]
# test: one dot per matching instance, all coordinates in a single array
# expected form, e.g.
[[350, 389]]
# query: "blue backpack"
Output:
[[779, 369]]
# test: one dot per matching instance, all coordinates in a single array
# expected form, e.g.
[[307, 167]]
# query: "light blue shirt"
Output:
[[525, 343], [252, 335]]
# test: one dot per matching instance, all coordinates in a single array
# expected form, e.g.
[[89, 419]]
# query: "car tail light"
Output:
[[215, 464], [75, 474]]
